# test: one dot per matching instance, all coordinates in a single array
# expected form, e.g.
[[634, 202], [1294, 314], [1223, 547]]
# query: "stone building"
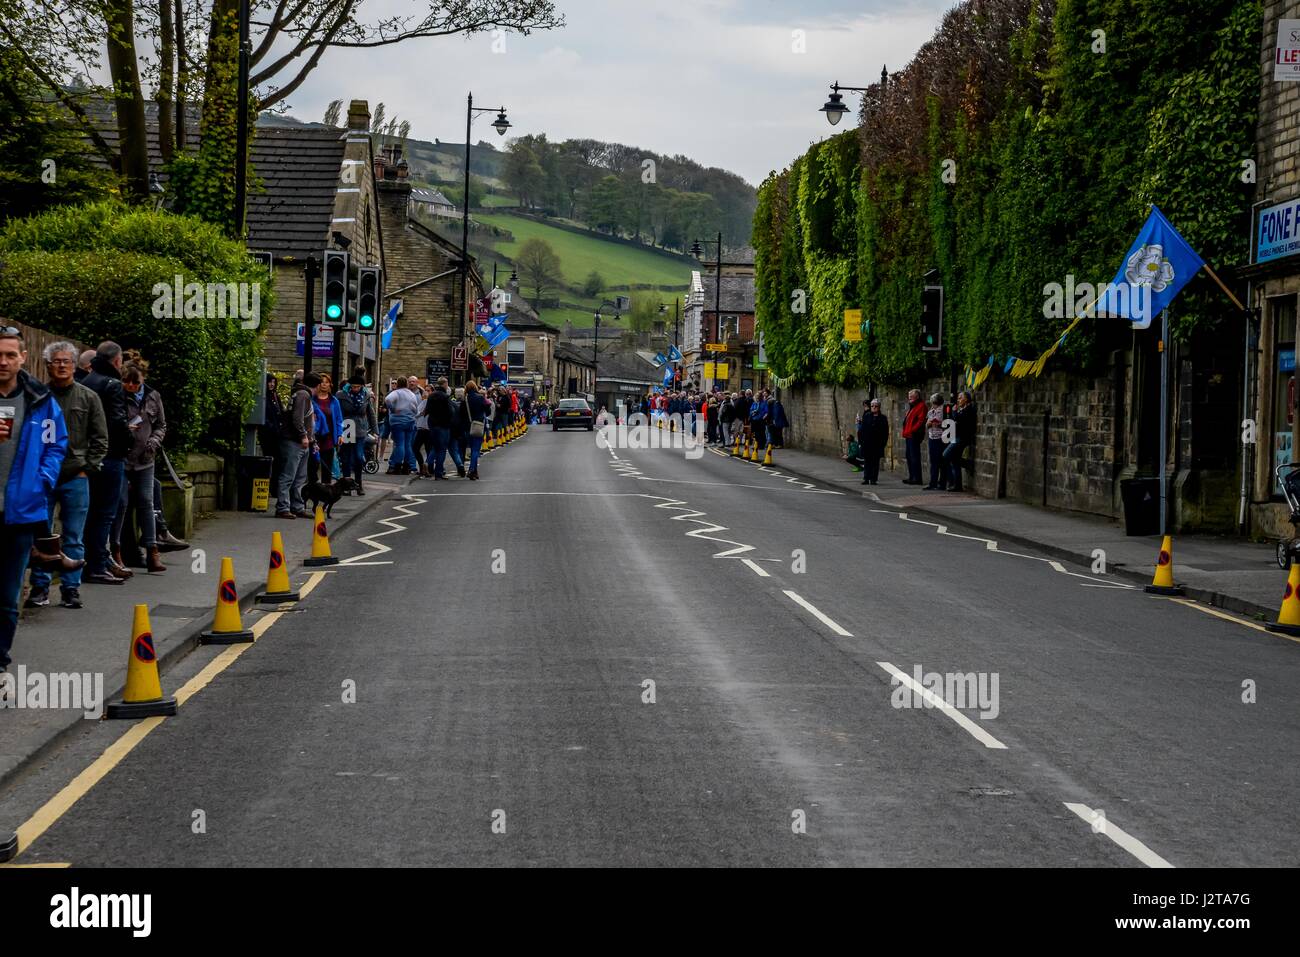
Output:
[[422, 270], [1274, 278], [317, 184]]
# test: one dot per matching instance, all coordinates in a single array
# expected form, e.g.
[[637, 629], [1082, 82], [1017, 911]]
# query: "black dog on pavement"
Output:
[[327, 493]]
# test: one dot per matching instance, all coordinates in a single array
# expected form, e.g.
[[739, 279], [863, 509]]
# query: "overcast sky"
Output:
[[716, 80]]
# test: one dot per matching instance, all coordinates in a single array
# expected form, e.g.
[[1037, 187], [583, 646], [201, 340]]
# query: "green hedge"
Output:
[[1058, 151], [89, 273]]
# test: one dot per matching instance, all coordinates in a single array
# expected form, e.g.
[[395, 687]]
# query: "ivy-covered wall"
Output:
[[1023, 144]]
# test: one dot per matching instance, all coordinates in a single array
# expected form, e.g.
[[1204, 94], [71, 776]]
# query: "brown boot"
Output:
[[155, 560], [115, 566]]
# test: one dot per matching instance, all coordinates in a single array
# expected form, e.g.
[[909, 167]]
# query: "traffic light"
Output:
[[335, 302], [368, 300], [932, 319]]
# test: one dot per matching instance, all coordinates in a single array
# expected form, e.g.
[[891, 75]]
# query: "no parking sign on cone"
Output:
[[227, 628], [320, 542], [143, 697], [1288, 616]]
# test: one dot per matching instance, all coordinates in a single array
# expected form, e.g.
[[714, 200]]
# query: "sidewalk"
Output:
[[96, 638], [1226, 572]]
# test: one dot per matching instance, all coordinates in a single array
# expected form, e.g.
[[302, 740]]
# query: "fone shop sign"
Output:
[[1279, 230]]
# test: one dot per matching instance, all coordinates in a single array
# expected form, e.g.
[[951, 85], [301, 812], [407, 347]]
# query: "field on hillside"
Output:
[[579, 255]]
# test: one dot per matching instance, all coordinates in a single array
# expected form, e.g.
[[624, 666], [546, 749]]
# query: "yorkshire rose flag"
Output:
[[1155, 269]]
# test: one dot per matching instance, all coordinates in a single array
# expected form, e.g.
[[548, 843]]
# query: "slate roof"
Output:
[[737, 293], [572, 354], [299, 169], [432, 196]]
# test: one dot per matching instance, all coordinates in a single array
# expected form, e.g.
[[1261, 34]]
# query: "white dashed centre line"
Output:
[[1125, 840], [975, 731], [815, 612]]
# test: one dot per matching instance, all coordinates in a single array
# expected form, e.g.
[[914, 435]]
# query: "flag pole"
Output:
[[1226, 291], [1164, 417]]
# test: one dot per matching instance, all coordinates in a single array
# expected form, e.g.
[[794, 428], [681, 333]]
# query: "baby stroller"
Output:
[[372, 456], [1288, 476]]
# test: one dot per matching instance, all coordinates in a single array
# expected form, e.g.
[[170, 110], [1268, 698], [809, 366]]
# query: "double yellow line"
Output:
[[52, 810]]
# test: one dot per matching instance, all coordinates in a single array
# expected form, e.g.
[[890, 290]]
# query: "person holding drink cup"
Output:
[[33, 441]]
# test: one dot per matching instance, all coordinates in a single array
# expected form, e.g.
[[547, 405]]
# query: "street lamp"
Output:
[[834, 107], [595, 342], [500, 125]]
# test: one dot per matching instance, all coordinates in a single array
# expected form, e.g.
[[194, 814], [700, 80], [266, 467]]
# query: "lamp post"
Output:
[[696, 251], [834, 107], [595, 342], [501, 124]]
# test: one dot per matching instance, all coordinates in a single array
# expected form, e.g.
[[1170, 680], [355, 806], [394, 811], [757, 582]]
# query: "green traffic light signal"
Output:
[[334, 311], [367, 321]]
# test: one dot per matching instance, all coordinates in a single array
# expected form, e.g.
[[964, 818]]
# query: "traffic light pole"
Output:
[[308, 329]]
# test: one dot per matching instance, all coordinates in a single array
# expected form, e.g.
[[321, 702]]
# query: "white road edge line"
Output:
[[813, 610], [1121, 837], [759, 570], [975, 731]]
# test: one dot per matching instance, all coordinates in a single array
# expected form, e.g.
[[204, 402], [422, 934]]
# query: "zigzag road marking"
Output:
[[992, 546], [378, 548], [692, 515]]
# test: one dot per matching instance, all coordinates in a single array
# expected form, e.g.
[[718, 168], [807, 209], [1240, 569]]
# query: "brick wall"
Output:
[[1077, 414]]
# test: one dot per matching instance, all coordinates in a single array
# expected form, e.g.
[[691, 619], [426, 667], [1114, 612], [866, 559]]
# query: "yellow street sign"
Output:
[[715, 347], [853, 325]]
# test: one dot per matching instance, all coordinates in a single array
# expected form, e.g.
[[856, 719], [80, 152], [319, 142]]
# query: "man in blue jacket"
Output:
[[33, 441]]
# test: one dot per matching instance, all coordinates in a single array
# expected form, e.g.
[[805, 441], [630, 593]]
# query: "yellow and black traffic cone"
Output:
[[320, 542], [143, 697], [227, 628], [1288, 616], [277, 576], [1163, 582], [735, 447], [767, 459]]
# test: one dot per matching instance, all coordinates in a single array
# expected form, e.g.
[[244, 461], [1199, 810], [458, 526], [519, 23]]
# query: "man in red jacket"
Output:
[[913, 431]]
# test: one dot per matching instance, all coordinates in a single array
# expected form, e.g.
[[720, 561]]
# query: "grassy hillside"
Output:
[[618, 265]]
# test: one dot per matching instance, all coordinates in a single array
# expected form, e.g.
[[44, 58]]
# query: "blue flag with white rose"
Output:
[[1155, 269]]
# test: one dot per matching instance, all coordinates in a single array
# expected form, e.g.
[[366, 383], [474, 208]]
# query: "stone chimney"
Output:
[[359, 116]]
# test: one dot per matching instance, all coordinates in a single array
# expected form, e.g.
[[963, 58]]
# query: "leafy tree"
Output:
[[539, 266], [43, 161], [593, 284], [333, 112]]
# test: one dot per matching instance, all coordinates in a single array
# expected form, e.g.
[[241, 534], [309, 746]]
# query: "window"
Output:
[[515, 356], [1282, 310], [730, 326]]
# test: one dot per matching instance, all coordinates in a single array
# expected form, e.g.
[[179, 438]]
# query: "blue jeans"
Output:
[[105, 495], [402, 429], [952, 460], [352, 460], [913, 451], [15, 549], [73, 499], [938, 473], [456, 446], [441, 440], [293, 476], [475, 446]]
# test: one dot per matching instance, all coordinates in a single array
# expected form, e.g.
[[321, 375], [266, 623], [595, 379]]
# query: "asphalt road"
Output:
[[770, 617]]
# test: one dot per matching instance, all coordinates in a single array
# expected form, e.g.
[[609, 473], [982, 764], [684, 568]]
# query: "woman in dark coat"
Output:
[[873, 436]]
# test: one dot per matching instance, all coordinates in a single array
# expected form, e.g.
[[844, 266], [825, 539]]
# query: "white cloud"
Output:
[[713, 79]]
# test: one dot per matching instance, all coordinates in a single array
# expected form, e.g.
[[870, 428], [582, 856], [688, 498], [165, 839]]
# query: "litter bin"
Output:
[[1141, 505], [253, 478]]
